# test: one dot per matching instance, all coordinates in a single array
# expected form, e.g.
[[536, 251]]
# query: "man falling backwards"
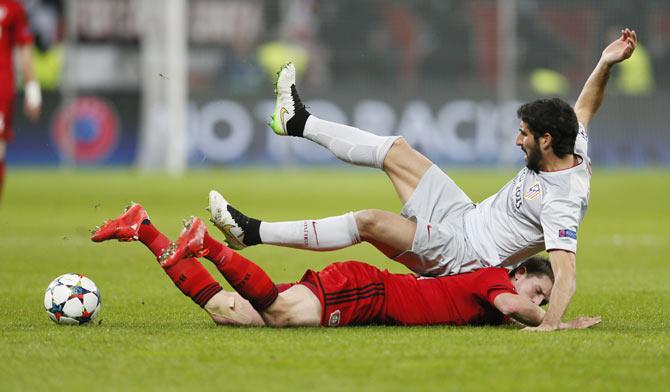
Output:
[[440, 230]]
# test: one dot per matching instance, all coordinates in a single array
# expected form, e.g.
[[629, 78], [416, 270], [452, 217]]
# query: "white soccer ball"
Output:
[[72, 299]]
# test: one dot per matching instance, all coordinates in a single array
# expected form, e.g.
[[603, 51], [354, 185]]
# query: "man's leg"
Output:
[[293, 307], [390, 233], [404, 165], [229, 308], [241, 231], [188, 275]]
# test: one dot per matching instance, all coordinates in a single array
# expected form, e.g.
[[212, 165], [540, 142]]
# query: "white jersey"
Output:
[[532, 212]]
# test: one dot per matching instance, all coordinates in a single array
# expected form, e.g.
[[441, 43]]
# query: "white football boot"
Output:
[[224, 221], [287, 102]]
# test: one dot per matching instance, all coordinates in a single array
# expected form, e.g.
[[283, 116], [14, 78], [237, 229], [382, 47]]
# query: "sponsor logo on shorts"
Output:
[[567, 233], [334, 319], [533, 192]]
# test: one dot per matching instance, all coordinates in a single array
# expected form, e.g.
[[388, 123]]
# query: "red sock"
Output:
[[187, 274], [2, 175], [248, 279]]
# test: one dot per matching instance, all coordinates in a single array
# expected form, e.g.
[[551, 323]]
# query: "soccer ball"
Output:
[[72, 299]]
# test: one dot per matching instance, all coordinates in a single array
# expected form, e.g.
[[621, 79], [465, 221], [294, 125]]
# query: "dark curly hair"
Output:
[[536, 266], [553, 116]]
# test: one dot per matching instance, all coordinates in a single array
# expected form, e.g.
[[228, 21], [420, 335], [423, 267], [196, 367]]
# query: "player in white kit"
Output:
[[440, 231]]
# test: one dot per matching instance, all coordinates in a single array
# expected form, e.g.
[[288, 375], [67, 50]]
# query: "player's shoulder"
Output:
[[567, 184], [492, 278]]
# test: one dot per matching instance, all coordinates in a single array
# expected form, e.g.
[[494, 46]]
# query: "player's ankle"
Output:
[[250, 226], [296, 125]]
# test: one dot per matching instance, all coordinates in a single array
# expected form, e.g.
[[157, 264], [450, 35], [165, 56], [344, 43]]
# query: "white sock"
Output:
[[348, 143], [332, 233]]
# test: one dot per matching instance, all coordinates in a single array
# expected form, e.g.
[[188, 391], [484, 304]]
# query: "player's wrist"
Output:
[[605, 64], [33, 94], [550, 322]]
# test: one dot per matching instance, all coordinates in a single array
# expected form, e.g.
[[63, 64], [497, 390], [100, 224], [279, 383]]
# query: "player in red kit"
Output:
[[14, 31], [348, 293]]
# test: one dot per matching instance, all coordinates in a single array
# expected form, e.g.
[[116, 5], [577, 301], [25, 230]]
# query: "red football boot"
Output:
[[189, 244], [125, 227]]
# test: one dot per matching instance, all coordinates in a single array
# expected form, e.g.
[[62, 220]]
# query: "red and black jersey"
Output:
[[355, 293]]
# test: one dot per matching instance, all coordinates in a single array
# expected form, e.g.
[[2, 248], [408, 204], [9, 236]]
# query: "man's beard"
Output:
[[533, 158]]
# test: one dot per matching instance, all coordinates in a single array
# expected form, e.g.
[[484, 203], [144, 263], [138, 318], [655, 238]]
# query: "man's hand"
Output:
[[578, 323], [621, 49], [540, 328], [582, 322], [32, 111]]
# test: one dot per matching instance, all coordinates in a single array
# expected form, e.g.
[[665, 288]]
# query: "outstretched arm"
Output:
[[563, 263], [594, 89], [525, 313]]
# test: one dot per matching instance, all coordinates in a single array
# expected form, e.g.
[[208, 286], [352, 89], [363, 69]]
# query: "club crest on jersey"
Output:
[[3, 13], [334, 319], [567, 233], [533, 192]]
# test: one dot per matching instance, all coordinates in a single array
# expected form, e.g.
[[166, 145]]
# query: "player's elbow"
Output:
[[508, 305]]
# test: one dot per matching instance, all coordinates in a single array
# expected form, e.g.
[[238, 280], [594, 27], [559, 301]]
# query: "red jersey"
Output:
[[464, 299], [355, 293], [14, 30]]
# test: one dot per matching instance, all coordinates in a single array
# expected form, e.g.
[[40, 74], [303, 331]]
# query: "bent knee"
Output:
[[367, 222], [399, 151], [404, 162]]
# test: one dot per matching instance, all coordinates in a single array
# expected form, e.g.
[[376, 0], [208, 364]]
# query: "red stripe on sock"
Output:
[[248, 279]]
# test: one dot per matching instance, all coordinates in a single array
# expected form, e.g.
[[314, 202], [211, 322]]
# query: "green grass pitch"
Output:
[[150, 337]]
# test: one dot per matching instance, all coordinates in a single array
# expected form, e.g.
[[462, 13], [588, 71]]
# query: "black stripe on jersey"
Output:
[[331, 298], [378, 293], [345, 292]]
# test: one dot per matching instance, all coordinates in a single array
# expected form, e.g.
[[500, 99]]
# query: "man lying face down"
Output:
[[343, 293]]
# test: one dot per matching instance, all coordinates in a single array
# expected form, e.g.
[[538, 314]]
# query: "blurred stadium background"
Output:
[[172, 84], [150, 87]]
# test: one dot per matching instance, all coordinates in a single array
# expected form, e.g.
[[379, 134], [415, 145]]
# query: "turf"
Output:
[[150, 337]]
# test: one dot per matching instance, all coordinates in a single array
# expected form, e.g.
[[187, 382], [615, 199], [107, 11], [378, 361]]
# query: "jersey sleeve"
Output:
[[582, 142], [492, 282], [21, 29], [560, 221]]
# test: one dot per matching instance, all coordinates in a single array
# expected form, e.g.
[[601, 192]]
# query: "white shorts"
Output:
[[440, 246]]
